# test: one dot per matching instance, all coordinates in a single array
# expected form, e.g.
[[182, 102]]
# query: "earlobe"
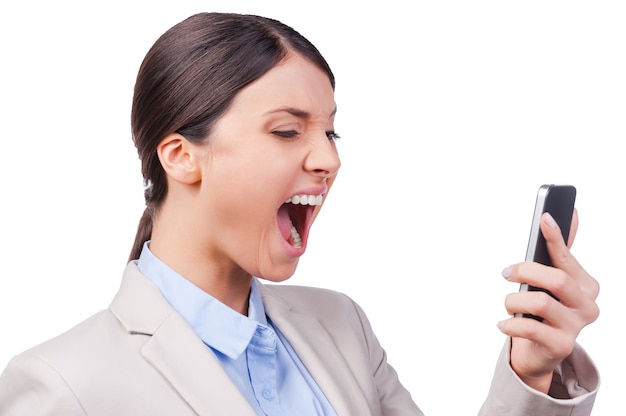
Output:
[[179, 159]]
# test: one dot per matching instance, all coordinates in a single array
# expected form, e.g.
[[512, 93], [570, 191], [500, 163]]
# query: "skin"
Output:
[[218, 224], [538, 347]]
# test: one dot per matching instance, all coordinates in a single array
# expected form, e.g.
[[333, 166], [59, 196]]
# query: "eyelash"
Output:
[[286, 134], [291, 134]]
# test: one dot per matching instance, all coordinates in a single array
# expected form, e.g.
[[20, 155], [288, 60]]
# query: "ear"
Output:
[[179, 158]]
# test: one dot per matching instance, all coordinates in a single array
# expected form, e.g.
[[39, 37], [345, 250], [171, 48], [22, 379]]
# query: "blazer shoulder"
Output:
[[82, 337], [320, 302]]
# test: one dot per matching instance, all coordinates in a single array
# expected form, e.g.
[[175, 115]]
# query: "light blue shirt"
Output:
[[254, 354]]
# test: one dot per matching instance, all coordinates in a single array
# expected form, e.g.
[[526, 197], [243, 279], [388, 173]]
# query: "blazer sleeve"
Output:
[[30, 387], [573, 391]]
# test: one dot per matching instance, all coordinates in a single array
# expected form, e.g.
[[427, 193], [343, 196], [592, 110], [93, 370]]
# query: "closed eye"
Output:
[[286, 134]]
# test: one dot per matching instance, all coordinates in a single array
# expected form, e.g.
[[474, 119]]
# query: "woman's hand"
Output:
[[538, 347]]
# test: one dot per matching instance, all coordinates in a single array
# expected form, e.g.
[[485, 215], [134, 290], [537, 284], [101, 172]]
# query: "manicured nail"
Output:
[[499, 325], [550, 221], [506, 273]]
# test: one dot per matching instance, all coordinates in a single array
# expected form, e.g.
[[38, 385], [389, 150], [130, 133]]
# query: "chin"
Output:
[[278, 274]]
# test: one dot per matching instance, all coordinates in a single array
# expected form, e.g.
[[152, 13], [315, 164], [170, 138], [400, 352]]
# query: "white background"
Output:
[[452, 113]]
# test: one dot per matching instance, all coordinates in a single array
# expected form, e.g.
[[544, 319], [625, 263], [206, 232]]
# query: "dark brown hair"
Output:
[[188, 79]]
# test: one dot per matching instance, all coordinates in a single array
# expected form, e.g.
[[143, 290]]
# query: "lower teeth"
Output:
[[296, 241]]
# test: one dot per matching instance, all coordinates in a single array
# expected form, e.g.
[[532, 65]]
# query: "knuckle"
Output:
[[591, 313], [560, 281], [521, 269], [563, 346], [528, 328], [542, 303], [509, 302], [524, 271], [561, 257], [592, 287], [509, 298]]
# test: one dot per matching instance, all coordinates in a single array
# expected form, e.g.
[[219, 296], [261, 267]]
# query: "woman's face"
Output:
[[270, 162]]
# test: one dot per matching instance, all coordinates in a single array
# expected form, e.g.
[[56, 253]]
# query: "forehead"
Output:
[[295, 82]]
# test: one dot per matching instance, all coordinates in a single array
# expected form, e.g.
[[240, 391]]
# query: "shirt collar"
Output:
[[219, 326]]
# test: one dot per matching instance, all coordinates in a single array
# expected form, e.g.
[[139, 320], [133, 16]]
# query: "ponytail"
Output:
[[144, 233]]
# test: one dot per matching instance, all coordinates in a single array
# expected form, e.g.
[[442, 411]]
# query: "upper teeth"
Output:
[[305, 200]]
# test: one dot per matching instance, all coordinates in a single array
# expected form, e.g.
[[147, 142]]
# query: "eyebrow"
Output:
[[297, 112]]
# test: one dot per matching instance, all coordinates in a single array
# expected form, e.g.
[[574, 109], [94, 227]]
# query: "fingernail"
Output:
[[550, 221], [499, 325], [506, 273]]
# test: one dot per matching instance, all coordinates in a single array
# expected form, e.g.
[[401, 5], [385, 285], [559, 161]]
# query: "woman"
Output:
[[233, 121]]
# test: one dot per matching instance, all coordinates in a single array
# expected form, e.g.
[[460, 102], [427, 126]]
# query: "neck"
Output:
[[215, 274]]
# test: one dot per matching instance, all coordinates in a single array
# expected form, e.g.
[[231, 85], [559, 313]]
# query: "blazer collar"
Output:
[[174, 350]]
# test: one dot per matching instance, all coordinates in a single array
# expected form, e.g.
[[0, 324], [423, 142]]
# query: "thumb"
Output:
[[559, 252], [573, 229]]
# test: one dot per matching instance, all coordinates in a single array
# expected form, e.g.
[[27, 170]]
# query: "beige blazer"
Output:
[[139, 357]]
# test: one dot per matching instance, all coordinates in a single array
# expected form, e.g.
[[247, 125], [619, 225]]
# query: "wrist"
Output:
[[540, 383]]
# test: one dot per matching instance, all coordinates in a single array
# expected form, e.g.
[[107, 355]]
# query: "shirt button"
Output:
[[267, 394]]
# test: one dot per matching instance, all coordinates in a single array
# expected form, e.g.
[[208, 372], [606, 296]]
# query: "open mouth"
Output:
[[294, 217]]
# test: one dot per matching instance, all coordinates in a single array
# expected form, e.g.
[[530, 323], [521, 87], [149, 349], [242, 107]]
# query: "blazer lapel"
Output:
[[320, 356], [174, 349], [181, 357]]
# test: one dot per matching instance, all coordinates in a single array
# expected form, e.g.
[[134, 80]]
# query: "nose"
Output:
[[323, 158]]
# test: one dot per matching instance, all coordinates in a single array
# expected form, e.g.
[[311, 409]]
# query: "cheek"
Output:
[[247, 187], [241, 200]]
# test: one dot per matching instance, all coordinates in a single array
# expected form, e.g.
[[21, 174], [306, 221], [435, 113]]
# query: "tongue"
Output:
[[284, 222]]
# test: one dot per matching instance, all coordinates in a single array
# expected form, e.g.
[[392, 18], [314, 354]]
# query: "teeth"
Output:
[[296, 241], [305, 200]]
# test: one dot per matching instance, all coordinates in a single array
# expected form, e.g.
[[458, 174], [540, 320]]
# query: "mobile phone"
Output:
[[559, 201]]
